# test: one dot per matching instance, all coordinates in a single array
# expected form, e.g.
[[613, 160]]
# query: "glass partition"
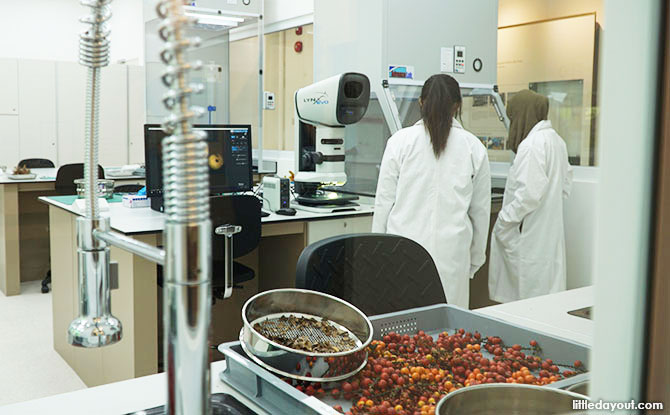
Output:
[[365, 143], [483, 113]]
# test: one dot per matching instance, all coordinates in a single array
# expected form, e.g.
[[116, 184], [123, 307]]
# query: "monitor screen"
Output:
[[229, 158]]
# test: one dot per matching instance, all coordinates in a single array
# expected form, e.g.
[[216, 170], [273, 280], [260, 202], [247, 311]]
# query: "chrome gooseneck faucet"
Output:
[[188, 230], [95, 326]]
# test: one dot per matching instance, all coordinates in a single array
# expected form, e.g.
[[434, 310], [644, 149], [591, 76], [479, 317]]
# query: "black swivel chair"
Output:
[[242, 210], [68, 173], [37, 163], [378, 273], [64, 185]]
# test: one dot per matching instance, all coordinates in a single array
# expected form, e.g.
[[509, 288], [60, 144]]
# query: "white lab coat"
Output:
[[442, 203], [528, 241]]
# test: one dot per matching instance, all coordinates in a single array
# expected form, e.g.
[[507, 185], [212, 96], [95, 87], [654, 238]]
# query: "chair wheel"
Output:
[[45, 289]]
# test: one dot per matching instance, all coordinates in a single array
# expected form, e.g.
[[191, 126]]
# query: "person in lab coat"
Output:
[[528, 240], [435, 188]]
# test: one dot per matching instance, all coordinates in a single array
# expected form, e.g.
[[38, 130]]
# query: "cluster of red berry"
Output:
[[408, 375]]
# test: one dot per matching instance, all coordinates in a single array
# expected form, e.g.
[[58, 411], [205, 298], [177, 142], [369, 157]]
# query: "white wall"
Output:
[[49, 30], [579, 222], [280, 10]]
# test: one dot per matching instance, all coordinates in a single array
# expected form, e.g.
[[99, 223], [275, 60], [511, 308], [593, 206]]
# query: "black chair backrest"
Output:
[[68, 173], [37, 163], [378, 273], [242, 210], [128, 188]]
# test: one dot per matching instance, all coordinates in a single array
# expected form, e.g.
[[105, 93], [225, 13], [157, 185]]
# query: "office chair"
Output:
[[241, 210], [64, 185], [68, 173], [378, 273], [128, 188], [37, 163]]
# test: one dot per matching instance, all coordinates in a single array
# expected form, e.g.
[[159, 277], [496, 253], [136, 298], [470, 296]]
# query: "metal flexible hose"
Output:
[[93, 53], [185, 151]]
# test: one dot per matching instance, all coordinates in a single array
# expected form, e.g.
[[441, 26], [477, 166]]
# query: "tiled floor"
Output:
[[29, 366]]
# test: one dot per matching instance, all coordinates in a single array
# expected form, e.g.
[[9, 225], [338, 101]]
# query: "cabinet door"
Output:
[[113, 147], [9, 97], [37, 110], [136, 114], [71, 104], [360, 224], [9, 140]]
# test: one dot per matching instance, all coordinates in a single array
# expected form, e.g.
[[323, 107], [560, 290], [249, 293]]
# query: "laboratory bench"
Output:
[[136, 301], [24, 226], [547, 314]]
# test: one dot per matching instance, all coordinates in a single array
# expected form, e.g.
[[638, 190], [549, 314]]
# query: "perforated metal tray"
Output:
[[277, 397]]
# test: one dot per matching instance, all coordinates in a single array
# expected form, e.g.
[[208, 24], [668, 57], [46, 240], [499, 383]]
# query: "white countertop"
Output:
[[145, 220], [49, 175], [547, 314]]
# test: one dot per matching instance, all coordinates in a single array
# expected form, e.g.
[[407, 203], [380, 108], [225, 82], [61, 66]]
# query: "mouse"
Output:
[[264, 214], [286, 212]]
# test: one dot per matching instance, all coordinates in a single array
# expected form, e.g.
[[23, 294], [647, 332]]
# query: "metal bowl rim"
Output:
[[271, 368], [506, 386], [302, 352]]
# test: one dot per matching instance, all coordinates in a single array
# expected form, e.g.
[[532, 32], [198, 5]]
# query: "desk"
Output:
[[24, 227], [136, 301], [150, 391]]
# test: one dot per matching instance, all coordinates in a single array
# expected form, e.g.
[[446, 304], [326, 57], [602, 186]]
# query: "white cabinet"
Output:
[[113, 147], [71, 102], [136, 114], [9, 140], [319, 230], [37, 110], [9, 89]]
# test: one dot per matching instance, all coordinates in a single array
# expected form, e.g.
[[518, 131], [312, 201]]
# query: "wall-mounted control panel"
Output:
[[459, 59]]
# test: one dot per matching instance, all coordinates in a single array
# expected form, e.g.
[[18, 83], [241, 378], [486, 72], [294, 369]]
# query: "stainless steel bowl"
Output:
[[105, 188], [297, 364], [581, 388], [508, 399]]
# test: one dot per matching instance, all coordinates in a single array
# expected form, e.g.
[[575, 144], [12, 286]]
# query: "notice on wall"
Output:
[[447, 59]]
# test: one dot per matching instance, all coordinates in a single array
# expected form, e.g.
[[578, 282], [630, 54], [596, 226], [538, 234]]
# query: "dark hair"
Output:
[[440, 103]]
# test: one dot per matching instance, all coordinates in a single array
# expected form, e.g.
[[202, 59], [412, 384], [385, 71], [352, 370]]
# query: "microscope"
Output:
[[322, 110]]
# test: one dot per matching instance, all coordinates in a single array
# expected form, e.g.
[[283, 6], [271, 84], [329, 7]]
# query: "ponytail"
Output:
[[440, 102]]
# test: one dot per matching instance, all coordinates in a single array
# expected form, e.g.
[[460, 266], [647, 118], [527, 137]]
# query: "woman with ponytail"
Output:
[[435, 188]]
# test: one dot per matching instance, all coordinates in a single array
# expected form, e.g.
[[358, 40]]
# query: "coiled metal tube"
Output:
[[93, 53], [188, 230]]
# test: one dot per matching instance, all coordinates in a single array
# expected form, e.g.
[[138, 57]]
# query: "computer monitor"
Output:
[[229, 158]]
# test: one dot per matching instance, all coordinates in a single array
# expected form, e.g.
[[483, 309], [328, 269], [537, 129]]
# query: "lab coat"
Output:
[[443, 203], [528, 241]]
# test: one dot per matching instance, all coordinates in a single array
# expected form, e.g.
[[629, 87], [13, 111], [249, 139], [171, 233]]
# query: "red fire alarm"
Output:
[[298, 30], [298, 46]]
